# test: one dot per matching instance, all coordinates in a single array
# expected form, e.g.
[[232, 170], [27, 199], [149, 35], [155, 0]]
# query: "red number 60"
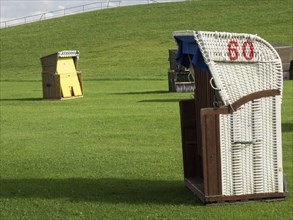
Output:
[[233, 53]]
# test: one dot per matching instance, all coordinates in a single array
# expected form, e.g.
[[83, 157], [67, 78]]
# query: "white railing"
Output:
[[78, 9], [61, 12]]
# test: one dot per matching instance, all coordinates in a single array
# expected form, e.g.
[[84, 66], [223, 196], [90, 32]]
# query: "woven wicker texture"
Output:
[[251, 151], [68, 53], [250, 148], [250, 137], [240, 63]]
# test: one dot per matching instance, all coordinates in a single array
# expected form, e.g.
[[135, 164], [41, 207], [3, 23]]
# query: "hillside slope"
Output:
[[133, 42], [116, 153]]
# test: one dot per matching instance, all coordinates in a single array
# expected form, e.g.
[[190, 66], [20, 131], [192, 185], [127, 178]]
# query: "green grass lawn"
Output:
[[116, 153]]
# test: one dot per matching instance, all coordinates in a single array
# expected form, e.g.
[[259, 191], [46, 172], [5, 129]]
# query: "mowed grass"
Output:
[[116, 153]]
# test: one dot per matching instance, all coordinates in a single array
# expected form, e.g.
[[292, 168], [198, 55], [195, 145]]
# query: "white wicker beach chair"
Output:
[[247, 75]]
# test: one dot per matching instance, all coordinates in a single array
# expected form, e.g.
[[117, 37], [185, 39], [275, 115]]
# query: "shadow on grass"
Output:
[[287, 127], [143, 92], [122, 79], [108, 190], [161, 100], [22, 99], [20, 80]]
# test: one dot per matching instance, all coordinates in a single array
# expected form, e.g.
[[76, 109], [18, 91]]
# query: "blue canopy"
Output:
[[188, 46]]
